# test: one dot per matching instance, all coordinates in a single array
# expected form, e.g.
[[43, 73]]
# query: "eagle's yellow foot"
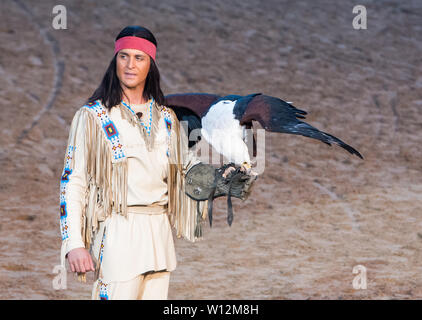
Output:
[[246, 168]]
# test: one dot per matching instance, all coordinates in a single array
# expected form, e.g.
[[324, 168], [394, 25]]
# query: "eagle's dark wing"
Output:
[[277, 115], [190, 107], [198, 103], [193, 121]]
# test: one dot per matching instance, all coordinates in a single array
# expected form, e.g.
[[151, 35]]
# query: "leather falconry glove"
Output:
[[205, 182]]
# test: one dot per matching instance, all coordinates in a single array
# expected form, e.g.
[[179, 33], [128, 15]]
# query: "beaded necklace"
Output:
[[147, 127]]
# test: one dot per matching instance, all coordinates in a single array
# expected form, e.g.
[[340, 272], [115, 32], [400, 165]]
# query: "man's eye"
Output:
[[139, 58]]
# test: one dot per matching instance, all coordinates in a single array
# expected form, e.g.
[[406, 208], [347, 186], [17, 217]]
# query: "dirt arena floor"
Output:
[[316, 211]]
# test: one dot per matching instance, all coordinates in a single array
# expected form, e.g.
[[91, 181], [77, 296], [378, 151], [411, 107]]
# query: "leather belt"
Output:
[[148, 209]]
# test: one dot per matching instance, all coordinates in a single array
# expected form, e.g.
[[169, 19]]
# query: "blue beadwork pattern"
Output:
[[109, 128], [103, 290], [102, 247], [147, 128], [63, 184], [167, 122], [113, 137]]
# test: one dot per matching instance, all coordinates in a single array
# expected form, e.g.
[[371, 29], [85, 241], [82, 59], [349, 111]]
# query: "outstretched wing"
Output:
[[190, 107], [277, 115], [198, 103]]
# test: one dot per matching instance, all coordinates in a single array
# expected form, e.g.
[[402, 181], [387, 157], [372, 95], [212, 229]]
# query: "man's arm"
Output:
[[73, 187]]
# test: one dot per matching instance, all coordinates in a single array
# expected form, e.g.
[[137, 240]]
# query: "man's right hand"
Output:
[[80, 260]]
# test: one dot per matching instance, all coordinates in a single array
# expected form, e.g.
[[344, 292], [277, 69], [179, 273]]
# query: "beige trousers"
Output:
[[149, 286]]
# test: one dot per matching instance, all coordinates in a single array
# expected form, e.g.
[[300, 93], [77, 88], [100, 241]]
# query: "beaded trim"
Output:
[[63, 184], [147, 128], [109, 128], [103, 290], [113, 137], [102, 247], [167, 122]]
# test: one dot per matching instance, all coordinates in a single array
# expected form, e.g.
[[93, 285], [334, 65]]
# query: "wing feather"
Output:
[[190, 107], [198, 103], [277, 115]]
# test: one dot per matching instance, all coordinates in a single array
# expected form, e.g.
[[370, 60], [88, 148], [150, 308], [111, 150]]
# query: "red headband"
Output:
[[135, 43]]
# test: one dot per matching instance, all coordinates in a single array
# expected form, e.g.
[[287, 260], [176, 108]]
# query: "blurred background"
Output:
[[316, 212]]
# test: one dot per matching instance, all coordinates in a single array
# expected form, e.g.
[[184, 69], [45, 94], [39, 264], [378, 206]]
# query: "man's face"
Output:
[[132, 67]]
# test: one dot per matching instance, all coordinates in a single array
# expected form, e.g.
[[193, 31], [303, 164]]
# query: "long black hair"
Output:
[[110, 92]]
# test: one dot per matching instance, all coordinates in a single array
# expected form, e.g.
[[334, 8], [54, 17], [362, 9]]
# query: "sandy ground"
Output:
[[316, 212]]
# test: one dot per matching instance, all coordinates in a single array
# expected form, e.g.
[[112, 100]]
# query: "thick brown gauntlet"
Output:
[[204, 182]]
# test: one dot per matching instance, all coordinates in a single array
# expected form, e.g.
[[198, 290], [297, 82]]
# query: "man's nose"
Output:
[[131, 63]]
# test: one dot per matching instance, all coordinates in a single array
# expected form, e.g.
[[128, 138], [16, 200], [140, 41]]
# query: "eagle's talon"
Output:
[[228, 171]]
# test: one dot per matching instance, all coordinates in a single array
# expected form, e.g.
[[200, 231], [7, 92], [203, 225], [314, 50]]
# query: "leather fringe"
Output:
[[183, 214], [133, 120], [107, 180]]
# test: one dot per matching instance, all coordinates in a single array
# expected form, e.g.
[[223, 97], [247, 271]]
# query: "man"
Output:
[[123, 179]]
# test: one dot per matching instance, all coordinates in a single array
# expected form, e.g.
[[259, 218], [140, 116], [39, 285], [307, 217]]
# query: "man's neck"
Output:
[[133, 95]]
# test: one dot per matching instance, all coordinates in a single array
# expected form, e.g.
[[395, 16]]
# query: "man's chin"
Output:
[[129, 85]]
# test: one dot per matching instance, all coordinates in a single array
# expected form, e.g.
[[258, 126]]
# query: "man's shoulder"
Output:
[[169, 112], [92, 105], [93, 110]]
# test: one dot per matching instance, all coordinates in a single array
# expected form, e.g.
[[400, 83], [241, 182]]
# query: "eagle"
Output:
[[229, 116]]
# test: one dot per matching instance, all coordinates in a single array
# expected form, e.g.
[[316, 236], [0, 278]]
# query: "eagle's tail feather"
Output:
[[307, 130]]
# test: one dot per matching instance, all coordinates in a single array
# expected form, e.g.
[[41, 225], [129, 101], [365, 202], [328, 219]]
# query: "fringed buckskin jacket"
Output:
[[96, 152]]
